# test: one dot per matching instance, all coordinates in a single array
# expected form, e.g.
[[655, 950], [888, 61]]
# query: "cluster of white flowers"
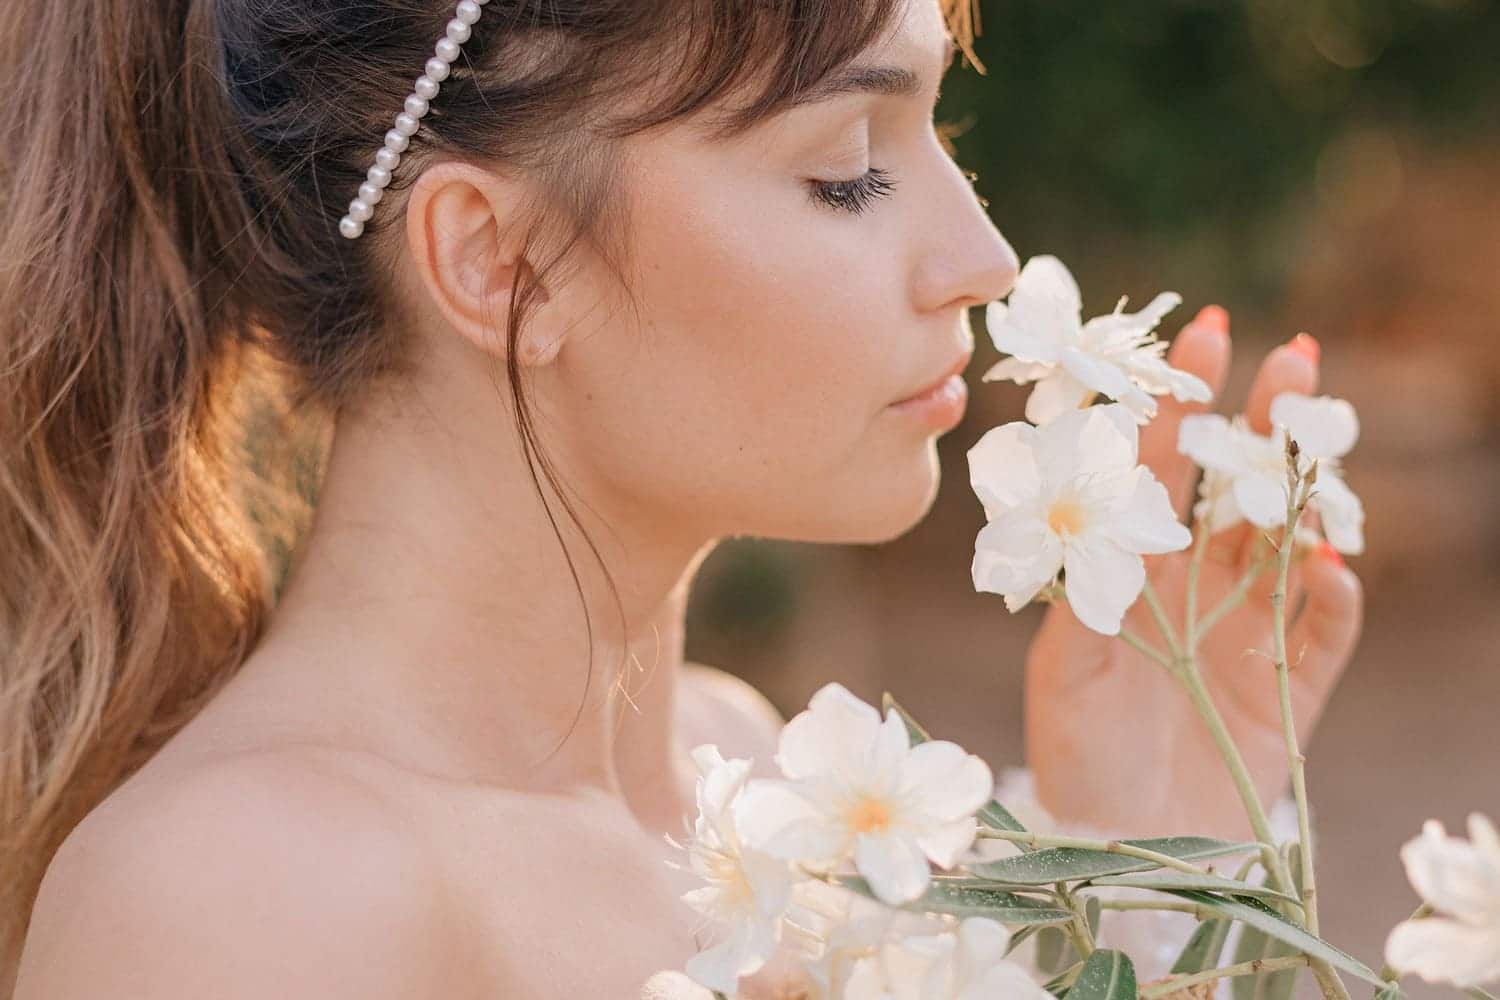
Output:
[[855, 798], [1068, 495]]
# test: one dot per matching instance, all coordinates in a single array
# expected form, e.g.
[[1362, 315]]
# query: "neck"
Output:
[[432, 611]]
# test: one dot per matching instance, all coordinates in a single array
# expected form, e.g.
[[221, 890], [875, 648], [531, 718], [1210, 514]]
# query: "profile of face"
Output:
[[792, 285]]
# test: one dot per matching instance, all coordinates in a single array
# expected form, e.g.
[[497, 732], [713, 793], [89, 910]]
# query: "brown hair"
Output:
[[169, 250]]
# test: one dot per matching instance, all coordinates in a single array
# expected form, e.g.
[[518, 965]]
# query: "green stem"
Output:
[[1239, 771], [1235, 597], [1145, 647], [1078, 929], [1195, 568], [1250, 968], [1085, 844], [1162, 621]]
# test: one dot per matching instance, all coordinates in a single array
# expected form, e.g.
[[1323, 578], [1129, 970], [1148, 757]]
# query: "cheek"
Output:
[[768, 346]]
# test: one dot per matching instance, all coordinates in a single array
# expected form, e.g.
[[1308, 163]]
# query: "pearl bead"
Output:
[[370, 194], [388, 159], [468, 12], [351, 228], [379, 176], [458, 31], [394, 140], [437, 69], [360, 211], [447, 50], [426, 87], [416, 106], [407, 124]]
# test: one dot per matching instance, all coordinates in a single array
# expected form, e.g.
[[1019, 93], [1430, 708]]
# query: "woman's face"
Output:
[[756, 395]]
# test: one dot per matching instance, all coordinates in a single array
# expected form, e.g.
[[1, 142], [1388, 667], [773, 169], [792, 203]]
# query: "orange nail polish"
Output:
[[1327, 551], [1306, 345], [1213, 317]]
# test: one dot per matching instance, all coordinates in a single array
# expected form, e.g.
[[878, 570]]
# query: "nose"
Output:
[[969, 262]]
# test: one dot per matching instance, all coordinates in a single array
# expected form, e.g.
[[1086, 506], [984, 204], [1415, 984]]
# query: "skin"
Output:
[[387, 762]]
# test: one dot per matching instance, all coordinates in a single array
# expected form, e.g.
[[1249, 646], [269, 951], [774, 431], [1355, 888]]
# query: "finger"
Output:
[[1201, 349], [1292, 367], [1324, 635]]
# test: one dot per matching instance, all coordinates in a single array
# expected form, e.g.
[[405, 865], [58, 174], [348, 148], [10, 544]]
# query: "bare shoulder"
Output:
[[731, 712], [257, 875]]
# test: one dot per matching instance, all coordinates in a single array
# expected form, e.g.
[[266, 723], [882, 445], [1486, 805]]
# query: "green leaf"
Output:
[[972, 900], [1266, 985], [1021, 935], [1391, 992], [993, 815], [1203, 949], [1093, 912], [1266, 920], [1060, 984], [1070, 864], [1167, 879], [1051, 945], [1107, 975]]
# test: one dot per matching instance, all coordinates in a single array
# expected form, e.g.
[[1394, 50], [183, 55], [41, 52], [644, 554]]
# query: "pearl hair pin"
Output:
[[409, 120]]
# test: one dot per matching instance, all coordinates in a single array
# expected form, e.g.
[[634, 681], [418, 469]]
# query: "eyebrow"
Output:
[[886, 81]]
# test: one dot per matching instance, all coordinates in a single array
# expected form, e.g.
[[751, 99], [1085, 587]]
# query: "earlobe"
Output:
[[462, 227]]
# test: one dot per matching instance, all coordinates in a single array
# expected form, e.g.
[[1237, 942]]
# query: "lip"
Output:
[[956, 368]]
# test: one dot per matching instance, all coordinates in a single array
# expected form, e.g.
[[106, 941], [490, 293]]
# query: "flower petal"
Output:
[[894, 866], [1212, 441], [1015, 554], [1109, 379], [1445, 951], [946, 781], [782, 819], [1043, 312], [1018, 371], [1146, 522], [1055, 395], [944, 845], [1102, 582], [834, 732], [1261, 497], [1454, 876], [742, 953], [1002, 467], [1322, 426], [1341, 513]]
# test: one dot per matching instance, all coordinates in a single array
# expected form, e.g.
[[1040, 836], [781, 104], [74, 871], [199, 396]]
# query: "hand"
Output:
[[1112, 739]]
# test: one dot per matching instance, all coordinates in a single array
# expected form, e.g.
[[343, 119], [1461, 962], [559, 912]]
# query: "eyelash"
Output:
[[855, 195]]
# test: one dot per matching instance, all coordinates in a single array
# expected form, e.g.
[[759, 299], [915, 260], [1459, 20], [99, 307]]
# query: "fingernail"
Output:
[[1327, 551], [1306, 345], [1213, 317]]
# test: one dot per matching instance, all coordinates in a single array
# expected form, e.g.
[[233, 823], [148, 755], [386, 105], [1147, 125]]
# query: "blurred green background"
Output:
[[1322, 165]]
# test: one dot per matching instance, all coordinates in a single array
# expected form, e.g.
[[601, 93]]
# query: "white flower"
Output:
[[1459, 879], [856, 787], [1116, 355], [964, 964], [1246, 472], [746, 889], [844, 928], [1070, 496]]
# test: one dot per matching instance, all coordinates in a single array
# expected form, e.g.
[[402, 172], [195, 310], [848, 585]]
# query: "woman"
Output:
[[719, 274]]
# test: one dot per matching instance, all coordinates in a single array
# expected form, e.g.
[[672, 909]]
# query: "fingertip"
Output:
[[1214, 318]]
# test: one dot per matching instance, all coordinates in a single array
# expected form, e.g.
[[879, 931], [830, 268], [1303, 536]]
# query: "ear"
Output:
[[464, 227]]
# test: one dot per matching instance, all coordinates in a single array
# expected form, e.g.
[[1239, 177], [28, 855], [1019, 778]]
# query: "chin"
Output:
[[892, 504]]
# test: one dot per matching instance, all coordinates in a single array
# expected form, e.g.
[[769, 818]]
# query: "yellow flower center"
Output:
[[1065, 518], [869, 816]]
